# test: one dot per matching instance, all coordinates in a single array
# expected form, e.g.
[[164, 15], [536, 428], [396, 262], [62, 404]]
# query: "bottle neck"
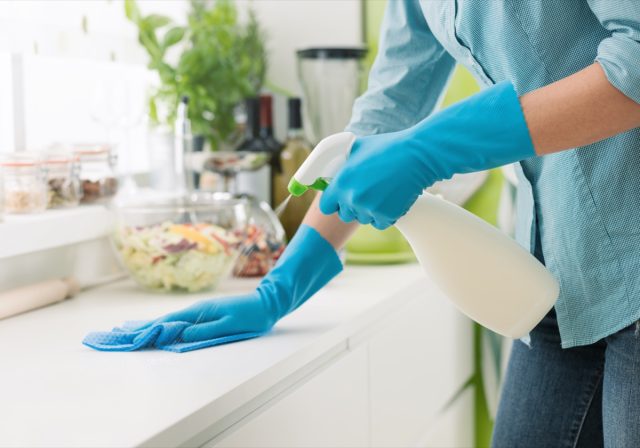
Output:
[[296, 131], [183, 124], [252, 130], [295, 134], [266, 131], [266, 116]]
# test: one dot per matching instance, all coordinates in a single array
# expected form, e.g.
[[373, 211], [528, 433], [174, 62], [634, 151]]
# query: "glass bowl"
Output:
[[264, 241], [181, 244]]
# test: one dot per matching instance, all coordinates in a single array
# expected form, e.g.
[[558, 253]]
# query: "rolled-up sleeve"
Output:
[[619, 54], [407, 77]]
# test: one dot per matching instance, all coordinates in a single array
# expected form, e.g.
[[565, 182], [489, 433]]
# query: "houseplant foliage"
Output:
[[220, 62]]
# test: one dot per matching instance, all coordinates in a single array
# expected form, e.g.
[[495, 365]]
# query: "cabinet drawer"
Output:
[[417, 363], [328, 410], [454, 428]]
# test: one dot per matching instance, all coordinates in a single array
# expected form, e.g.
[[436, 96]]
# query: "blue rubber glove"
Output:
[[385, 173], [308, 263]]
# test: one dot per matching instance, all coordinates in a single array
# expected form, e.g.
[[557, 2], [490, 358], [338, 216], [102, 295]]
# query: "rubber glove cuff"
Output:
[[484, 131], [308, 263]]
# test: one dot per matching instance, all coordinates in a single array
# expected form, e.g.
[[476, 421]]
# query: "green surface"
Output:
[[372, 246], [461, 85]]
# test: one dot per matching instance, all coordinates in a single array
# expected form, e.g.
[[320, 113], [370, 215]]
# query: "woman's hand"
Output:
[[216, 318], [386, 173], [382, 178]]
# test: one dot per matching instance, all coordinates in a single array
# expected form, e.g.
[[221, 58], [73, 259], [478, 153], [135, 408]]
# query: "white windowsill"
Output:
[[22, 234]]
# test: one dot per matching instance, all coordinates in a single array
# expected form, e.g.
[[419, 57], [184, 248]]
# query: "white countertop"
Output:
[[56, 392]]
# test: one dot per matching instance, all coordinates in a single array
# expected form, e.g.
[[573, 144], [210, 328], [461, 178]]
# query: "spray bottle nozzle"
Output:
[[323, 164], [297, 188]]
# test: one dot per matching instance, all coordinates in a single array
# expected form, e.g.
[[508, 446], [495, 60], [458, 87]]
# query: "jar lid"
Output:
[[332, 53], [60, 157], [20, 160], [84, 149]]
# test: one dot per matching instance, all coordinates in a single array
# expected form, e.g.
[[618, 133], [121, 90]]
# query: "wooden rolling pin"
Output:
[[27, 298]]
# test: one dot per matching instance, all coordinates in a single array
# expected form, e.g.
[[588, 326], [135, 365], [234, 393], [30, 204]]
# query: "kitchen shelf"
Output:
[[23, 234]]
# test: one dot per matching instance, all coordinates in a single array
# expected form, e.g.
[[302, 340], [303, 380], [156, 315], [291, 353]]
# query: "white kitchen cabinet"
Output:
[[389, 391], [417, 362], [328, 410], [454, 427]]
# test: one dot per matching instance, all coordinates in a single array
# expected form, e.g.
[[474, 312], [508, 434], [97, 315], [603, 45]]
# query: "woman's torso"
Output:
[[584, 202]]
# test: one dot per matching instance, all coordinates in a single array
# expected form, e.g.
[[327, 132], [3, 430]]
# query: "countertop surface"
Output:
[[56, 392]]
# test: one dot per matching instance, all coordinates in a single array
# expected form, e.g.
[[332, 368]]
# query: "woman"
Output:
[[562, 98]]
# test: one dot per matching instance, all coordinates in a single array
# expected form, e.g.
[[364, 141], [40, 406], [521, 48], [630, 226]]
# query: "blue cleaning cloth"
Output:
[[163, 336]]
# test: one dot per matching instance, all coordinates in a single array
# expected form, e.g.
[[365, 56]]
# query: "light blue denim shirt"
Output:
[[584, 203]]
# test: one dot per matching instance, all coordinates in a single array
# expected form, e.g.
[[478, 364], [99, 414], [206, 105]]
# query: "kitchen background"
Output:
[[85, 59]]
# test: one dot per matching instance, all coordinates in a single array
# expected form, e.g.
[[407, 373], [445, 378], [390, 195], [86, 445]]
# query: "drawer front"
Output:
[[454, 428], [417, 363], [328, 410]]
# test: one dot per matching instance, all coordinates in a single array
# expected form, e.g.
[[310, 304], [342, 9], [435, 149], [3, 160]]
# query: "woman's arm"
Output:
[[577, 110], [408, 56], [330, 227], [599, 101]]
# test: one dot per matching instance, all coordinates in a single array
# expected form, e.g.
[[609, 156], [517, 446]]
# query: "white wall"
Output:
[[296, 24], [76, 47]]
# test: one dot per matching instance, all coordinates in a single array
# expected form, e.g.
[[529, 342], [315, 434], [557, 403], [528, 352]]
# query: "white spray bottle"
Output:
[[488, 276]]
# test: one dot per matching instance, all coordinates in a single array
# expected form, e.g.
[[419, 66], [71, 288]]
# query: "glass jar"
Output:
[[63, 181], [97, 173], [1, 196], [264, 241], [24, 187]]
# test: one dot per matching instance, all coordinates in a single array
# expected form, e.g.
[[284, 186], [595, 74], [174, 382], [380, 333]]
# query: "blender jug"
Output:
[[331, 78]]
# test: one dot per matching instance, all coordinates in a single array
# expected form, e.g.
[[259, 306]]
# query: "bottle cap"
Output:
[[295, 115], [252, 105]]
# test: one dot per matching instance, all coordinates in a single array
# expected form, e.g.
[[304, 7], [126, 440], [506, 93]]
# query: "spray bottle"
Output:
[[486, 274]]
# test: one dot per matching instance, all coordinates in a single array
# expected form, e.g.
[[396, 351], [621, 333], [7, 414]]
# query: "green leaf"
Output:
[[84, 24], [150, 43], [155, 21], [173, 36], [131, 10], [153, 110]]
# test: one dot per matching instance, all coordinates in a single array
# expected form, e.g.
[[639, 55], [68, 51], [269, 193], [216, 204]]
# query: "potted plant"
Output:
[[215, 60]]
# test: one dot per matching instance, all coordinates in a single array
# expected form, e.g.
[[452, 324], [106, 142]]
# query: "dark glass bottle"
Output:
[[266, 123], [256, 183], [266, 132], [252, 139]]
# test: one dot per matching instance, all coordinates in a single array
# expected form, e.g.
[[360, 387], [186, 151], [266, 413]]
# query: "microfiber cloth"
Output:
[[163, 336]]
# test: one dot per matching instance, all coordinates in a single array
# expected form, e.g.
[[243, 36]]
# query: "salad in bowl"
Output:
[[187, 244]]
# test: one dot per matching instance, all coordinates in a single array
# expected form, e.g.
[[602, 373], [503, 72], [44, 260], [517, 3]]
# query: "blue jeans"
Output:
[[578, 397]]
